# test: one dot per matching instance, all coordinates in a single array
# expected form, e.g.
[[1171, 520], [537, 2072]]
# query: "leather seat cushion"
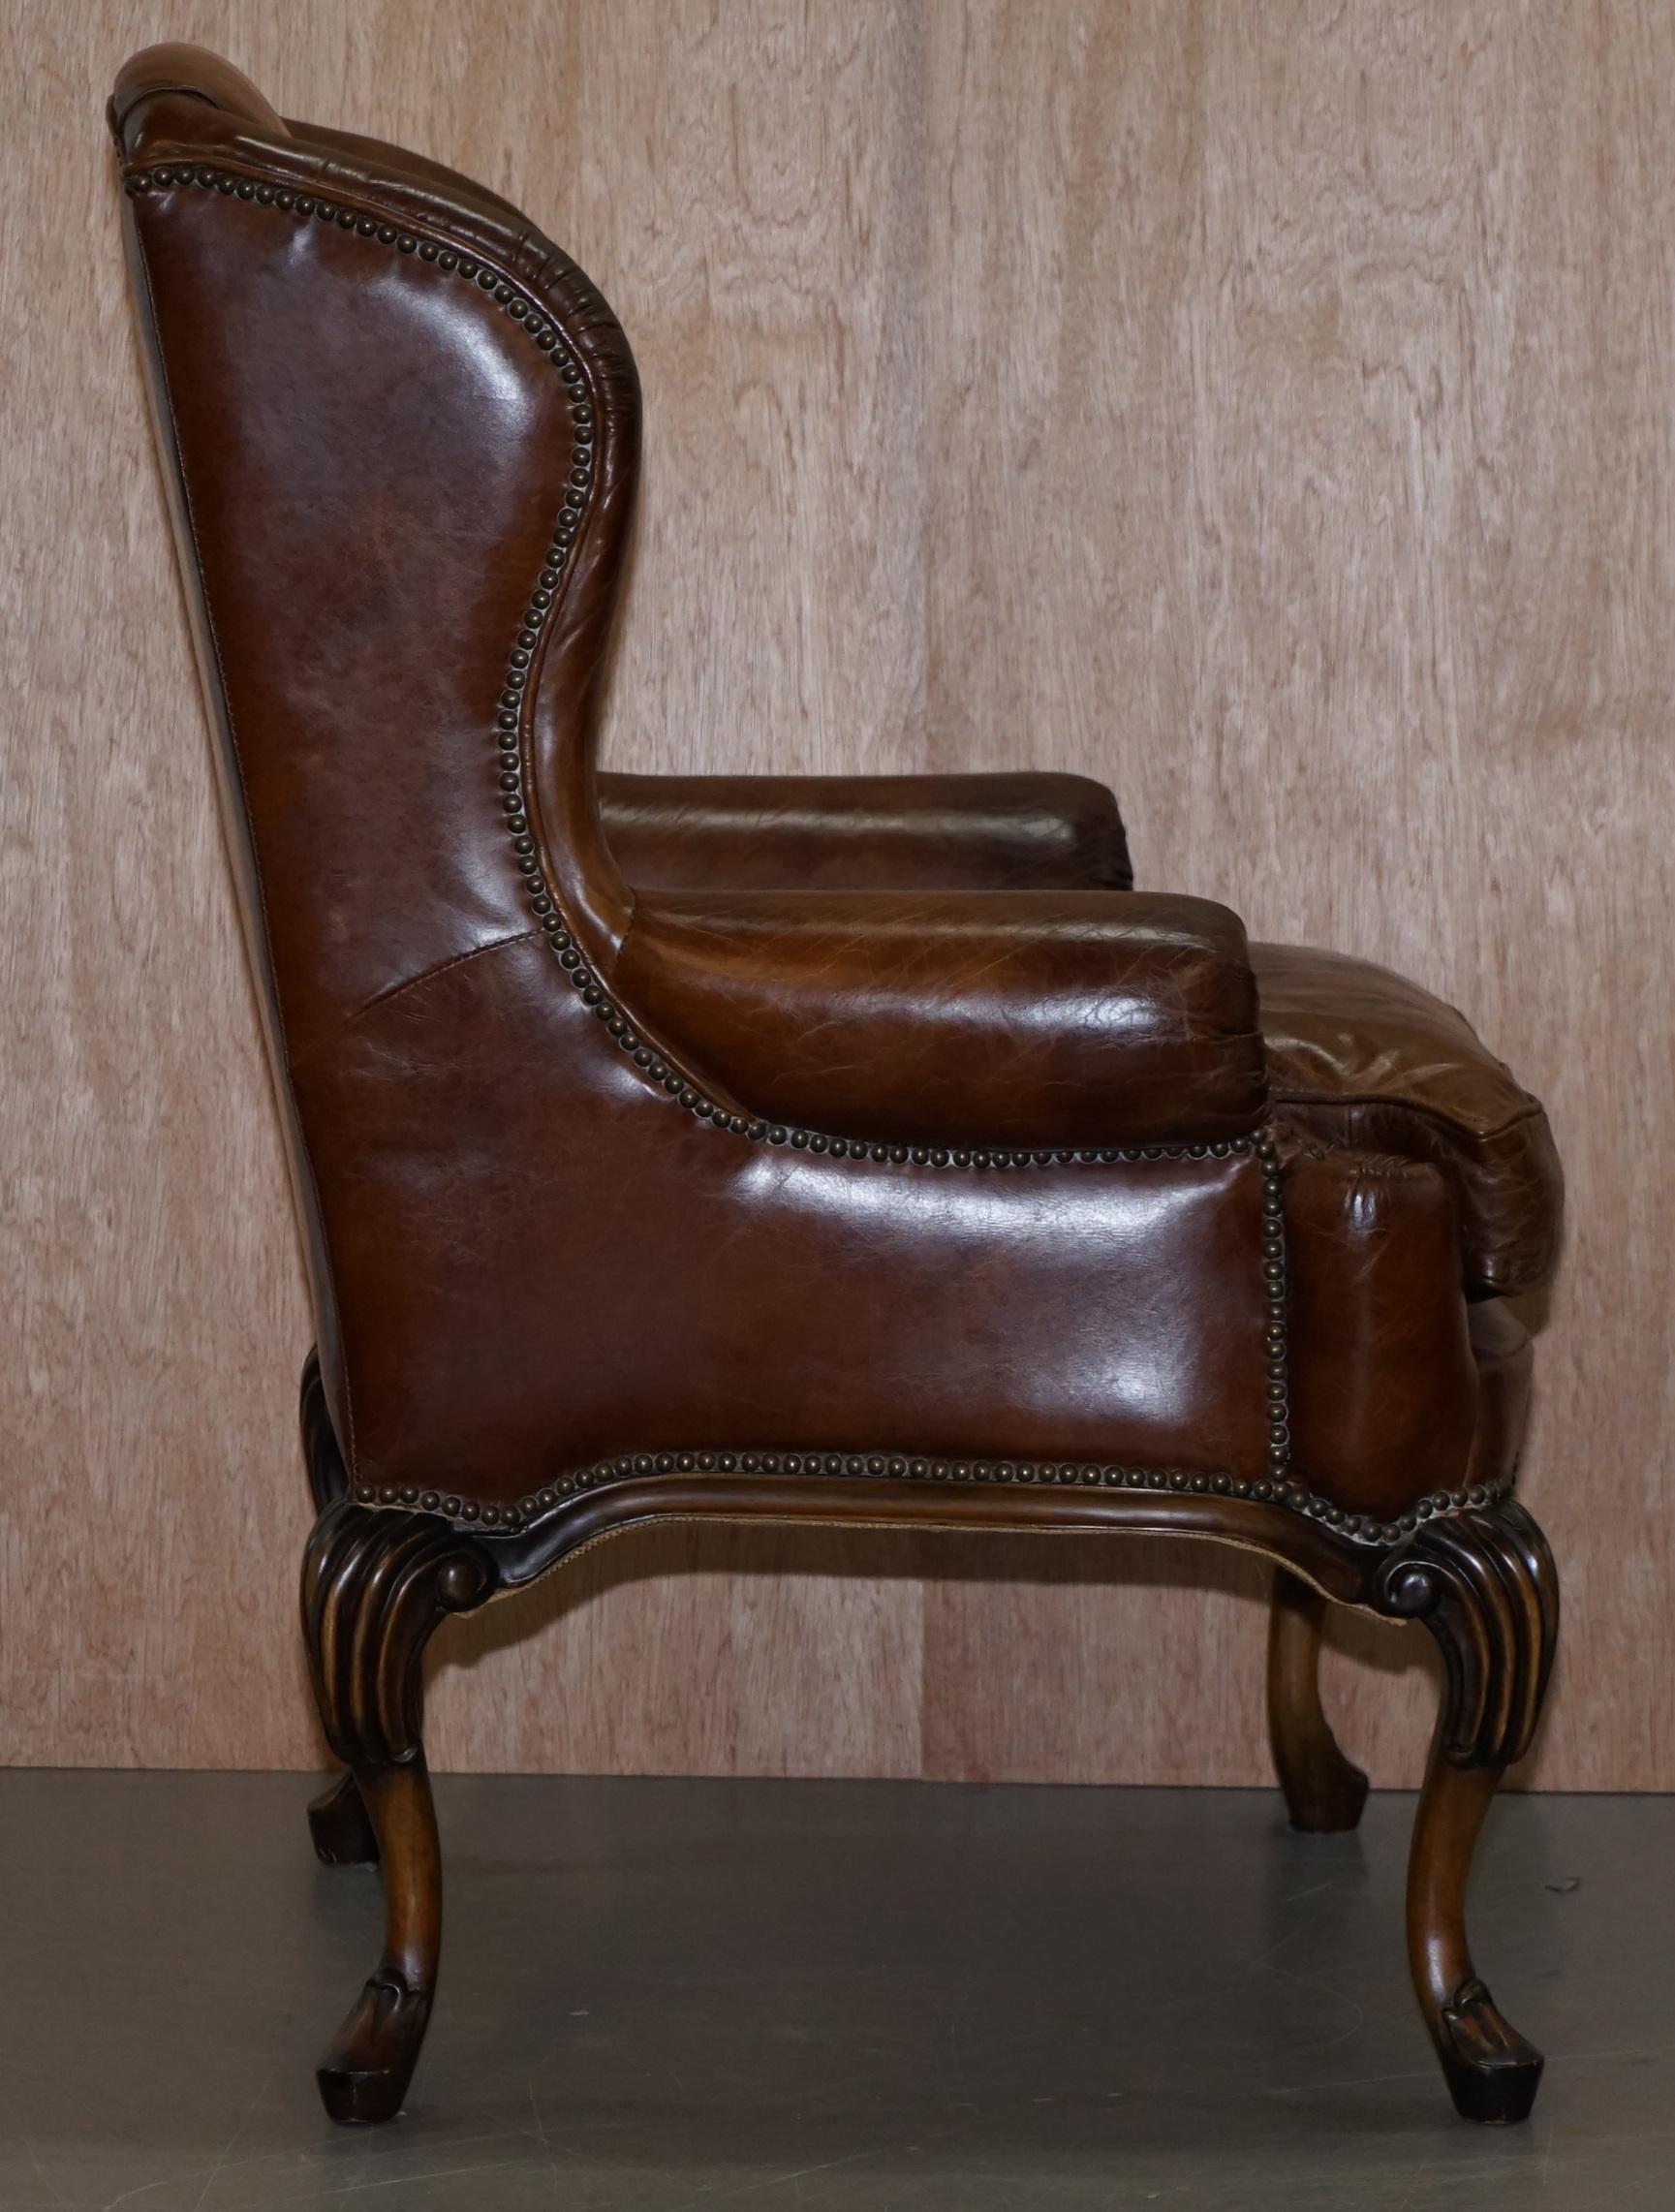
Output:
[[1360, 1057], [1036, 1019]]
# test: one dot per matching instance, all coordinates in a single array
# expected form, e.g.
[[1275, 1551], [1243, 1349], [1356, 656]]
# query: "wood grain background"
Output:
[[1267, 409]]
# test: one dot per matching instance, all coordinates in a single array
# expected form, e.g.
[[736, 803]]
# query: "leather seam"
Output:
[[426, 975]]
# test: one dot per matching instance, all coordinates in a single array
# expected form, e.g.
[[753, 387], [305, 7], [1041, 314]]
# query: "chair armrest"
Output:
[[983, 833], [1034, 1019]]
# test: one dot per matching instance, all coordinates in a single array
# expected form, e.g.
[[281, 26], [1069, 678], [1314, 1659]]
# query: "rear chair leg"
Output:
[[1484, 1585], [341, 1826], [375, 1584], [1324, 1791]]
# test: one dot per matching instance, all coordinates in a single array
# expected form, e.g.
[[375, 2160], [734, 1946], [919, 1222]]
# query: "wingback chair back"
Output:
[[834, 1154]]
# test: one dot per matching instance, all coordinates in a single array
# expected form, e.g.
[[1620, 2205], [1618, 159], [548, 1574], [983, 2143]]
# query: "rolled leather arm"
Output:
[[1029, 1019], [1033, 832]]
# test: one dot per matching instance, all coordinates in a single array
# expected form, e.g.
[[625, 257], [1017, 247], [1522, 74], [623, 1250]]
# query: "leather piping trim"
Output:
[[519, 684]]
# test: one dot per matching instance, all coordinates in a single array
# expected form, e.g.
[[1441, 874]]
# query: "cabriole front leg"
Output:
[[375, 1585], [1485, 1586]]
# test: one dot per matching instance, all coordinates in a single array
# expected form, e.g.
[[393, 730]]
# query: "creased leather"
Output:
[[1361, 1057]]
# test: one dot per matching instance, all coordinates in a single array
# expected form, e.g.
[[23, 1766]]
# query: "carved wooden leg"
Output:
[[375, 1584], [1325, 1791], [337, 1818], [341, 1826], [1484, 1585]]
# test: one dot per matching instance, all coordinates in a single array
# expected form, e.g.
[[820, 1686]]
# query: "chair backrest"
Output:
[[402, 432]]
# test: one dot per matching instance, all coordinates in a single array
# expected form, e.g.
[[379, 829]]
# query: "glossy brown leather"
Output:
[[1023, 1018], [1028, 832], [619, 1275], [1361, 1057], [549, 1217]]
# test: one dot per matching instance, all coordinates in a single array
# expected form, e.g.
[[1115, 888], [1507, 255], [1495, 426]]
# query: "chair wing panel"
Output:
[[404, 442]]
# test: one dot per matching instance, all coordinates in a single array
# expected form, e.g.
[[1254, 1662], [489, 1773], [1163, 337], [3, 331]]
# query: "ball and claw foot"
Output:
[[341, 1826], [1492, 2073], [363, 2076]]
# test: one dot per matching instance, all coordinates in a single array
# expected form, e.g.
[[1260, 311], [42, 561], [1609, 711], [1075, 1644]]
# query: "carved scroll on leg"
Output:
[[375, 1585], [1485, 1586], [1324, 1791]]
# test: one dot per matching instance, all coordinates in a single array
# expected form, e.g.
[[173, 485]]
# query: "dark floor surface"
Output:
[[659, 1996]]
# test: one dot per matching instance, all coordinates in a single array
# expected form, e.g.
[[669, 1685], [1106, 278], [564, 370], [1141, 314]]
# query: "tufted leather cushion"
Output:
[[1358, 1056]]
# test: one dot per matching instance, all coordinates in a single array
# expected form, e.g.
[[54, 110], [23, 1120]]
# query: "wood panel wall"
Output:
[[1267, 409]]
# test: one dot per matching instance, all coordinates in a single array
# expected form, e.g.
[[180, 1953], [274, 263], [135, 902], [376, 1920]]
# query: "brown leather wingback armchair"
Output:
[[833, 1153]]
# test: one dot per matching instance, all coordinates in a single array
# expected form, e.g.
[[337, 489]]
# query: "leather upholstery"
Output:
[[589, 1270], [1031, 831], [1025, 1017], [919, 1143], [1361, 1057]]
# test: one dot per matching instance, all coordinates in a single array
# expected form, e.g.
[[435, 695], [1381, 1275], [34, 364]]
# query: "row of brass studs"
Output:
[[1277, 1488], [516, 1519]]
